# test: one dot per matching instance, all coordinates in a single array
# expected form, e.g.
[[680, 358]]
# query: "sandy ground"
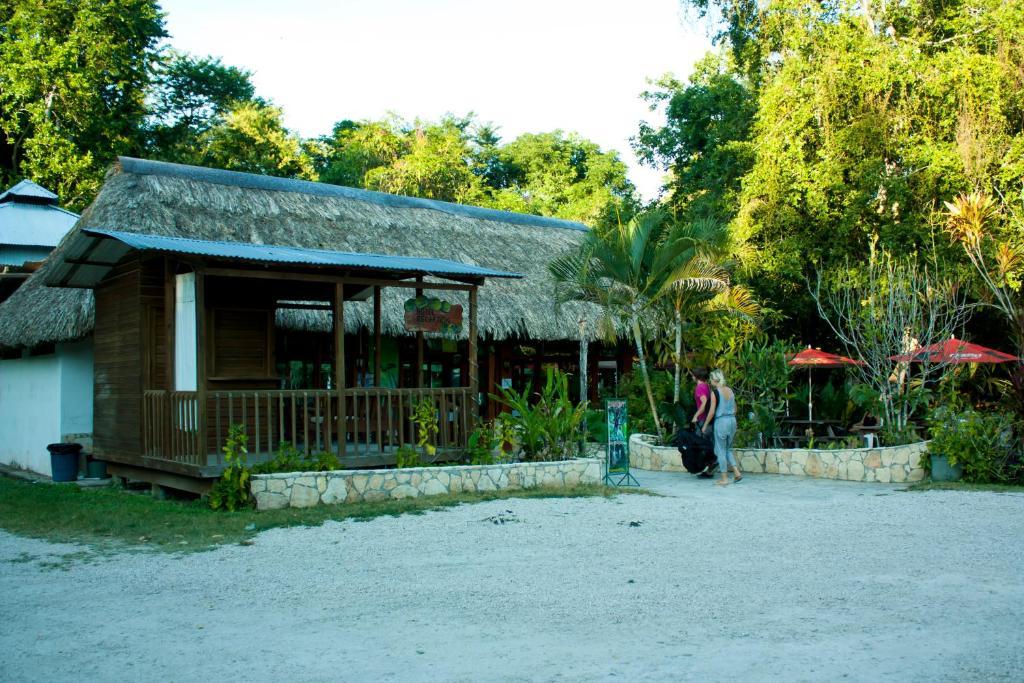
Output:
[[773, 578]]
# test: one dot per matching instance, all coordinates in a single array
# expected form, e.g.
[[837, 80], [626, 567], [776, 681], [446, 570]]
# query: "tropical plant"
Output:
[[983, 443], [998, 259], [759, 375], [883, 312], [628, 268], [424, 420], [548, 427], [290, 459], [231, 491]]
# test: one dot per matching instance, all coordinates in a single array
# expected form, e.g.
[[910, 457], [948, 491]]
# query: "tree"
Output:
[[972, 222], [627, 268], [189, 96], [868, 116], [252, 138], [885, 311], [564, 176], [72, 88], [704, 141]]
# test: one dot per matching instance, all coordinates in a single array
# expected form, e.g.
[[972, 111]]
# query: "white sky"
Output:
[[527, 66]]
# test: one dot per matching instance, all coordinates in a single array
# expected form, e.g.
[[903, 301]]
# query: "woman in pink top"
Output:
[[702, 397]]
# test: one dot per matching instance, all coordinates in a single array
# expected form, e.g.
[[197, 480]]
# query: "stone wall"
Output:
[[306, 489], [892, 464]]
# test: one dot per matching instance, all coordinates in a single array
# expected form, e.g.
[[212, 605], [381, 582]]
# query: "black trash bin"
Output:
[[64, 461]]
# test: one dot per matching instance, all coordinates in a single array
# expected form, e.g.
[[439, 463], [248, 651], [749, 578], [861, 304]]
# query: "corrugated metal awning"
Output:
[[91, 253]]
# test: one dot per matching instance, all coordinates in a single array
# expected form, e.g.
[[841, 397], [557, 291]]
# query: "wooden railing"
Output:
[[375, 421], [170, 427]]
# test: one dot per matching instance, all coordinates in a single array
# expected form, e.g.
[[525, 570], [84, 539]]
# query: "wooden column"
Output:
[[376, 336], [170, 297], [419, 344], [339, 364], [474, 369], [202, 353]]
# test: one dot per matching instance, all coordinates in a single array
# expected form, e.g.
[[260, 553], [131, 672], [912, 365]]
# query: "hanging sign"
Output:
[[617, 465], [429, 314]]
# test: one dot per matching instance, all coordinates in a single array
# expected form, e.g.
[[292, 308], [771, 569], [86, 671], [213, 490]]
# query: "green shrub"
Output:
[[231, 492], [290, 459], [983, 443], [549, 428], [407, 456]]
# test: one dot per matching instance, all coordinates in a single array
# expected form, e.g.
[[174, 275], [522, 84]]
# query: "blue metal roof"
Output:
[[297, 255], [262, 182], [26, 190], [30, 217]]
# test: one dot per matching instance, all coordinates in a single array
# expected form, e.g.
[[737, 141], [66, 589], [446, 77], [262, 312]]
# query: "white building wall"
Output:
[[76, 367], [29, 410], [45, 399]]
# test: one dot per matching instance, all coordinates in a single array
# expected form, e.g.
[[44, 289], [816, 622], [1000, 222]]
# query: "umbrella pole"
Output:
[[810, 398]]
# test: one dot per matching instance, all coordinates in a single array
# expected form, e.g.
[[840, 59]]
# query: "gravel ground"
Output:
[[773, 578]]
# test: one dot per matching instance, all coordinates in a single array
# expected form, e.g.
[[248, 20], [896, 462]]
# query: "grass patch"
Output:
[[112, 517], [964, 486]]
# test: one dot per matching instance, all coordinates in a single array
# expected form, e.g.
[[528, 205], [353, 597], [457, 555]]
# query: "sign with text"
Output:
[[428, 314]]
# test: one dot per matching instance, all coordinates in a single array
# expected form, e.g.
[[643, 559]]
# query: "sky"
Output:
[[527, 66]]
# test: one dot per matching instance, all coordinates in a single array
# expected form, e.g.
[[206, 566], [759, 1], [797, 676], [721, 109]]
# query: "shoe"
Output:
[[737, 479]]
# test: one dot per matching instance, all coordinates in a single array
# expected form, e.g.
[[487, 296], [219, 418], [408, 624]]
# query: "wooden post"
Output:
[[339, 364], [474, 369], [202, 353], [419, 344], [170, 297], [376, 336]]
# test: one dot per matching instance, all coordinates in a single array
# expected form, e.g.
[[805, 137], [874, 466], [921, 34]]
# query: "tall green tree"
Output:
[[565, 176], [868, 116], [704, 141], [628, 268], [253, 139], [188, 96], [72, 88]]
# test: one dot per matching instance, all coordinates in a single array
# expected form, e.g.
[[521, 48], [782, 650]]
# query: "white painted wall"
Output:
[[42, 399]]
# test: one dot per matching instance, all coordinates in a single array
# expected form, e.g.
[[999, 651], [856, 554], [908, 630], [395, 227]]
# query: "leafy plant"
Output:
[[424, 417], [548, 428], [982, 442], [290, 459], [488, 441], [407, 456], [231, 492]]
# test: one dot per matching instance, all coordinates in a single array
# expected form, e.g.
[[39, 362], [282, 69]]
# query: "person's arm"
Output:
[[711, 412], [700, 408]]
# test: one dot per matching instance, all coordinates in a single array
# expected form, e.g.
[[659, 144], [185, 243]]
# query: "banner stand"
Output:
[[617, 453]]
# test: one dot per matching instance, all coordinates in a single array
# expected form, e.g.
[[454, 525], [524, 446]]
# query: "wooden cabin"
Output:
[[268, 330]]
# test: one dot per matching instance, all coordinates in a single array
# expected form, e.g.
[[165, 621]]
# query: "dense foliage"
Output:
[[847, 120]]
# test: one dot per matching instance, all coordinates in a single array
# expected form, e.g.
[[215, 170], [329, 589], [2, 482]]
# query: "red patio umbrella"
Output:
[[954, 350], [816, 358]]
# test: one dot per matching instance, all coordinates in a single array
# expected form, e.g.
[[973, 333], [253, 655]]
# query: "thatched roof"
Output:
[[173, 200]]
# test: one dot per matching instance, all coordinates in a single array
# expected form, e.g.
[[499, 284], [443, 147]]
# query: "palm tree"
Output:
[[627, 269], [700, 286]]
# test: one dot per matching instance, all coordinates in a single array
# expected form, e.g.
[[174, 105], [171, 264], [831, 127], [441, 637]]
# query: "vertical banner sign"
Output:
[[617, 467]]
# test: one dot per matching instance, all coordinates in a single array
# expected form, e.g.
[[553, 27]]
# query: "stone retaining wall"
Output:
[[892, 464], [306, 489]]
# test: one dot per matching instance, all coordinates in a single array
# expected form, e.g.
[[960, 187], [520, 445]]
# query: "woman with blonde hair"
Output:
[[724, 406]]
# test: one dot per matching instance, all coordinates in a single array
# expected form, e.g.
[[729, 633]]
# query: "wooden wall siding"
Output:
[[118, 365], [241, 344]]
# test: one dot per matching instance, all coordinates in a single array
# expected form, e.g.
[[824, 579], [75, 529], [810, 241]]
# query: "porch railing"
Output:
[[170, 427], [375, 421]]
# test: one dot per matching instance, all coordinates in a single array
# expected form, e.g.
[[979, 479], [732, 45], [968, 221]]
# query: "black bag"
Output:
[[697, 450]]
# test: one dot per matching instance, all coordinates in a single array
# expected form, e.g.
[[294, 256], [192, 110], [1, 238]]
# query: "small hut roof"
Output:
[[172, 200]]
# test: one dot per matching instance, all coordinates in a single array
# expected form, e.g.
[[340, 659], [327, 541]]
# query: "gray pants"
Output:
[[725, 431]]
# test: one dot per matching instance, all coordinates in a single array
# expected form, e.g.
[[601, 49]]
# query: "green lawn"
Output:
[[113, 517]]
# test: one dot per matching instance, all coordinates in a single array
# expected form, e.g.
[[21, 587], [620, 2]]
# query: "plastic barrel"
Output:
[[64, 461]]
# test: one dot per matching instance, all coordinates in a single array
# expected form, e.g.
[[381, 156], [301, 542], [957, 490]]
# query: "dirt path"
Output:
[[776, 577]]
